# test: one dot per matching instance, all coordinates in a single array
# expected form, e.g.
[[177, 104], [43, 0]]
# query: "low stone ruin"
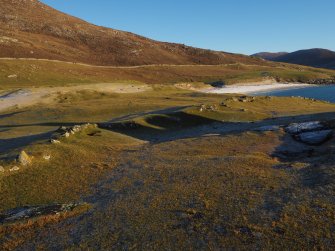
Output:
[[66, 132]]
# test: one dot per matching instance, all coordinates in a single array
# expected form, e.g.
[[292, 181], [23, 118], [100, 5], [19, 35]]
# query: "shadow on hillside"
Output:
[[8, 115], [162, 127], [318, 160], [8, 145], [157, 128]]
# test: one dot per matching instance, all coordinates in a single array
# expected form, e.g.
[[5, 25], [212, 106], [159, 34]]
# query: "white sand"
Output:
[[255, 88]]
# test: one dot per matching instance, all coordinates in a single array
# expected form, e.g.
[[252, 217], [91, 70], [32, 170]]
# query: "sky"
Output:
[[239, 26]]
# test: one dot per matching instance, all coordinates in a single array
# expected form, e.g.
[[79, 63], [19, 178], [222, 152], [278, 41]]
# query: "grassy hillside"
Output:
[[33, 29], [27, 73]]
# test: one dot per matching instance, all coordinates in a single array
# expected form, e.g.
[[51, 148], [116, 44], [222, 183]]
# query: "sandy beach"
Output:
[[255, 88]]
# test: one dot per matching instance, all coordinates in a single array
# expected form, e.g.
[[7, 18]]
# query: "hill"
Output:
[[31, 29], [269, 55], [320, 58]]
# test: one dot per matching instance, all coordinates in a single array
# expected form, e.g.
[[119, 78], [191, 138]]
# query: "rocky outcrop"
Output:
[[310, 133], [296, 128], [316, 137]]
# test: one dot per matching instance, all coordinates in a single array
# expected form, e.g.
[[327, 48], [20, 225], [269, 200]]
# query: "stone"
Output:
[[47, 157], [66, 135], [297, 128], [2, 169], [24, 159], [55, 141], [12, 76], [315, 138], [14, 169]]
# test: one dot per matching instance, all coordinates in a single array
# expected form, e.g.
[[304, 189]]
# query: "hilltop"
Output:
[[269, 55], [320, 58]]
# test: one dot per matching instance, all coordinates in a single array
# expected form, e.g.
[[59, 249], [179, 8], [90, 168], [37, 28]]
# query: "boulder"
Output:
[[14, 169], [55, 141], [24, 159], [66, 135], [2, 169], [297, 128], [47, 157], [315, 138]]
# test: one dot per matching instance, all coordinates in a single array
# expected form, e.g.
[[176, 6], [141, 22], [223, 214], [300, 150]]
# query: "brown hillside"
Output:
[[31, 29]]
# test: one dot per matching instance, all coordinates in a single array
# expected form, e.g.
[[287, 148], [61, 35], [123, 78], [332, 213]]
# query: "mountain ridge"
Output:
[[316, 57]]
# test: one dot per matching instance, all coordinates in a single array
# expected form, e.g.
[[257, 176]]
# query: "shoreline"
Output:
[[255, 88]]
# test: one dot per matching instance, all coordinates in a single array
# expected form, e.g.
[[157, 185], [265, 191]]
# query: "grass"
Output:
[[45, 73], [73, 168], [179, 193], [222, 192]]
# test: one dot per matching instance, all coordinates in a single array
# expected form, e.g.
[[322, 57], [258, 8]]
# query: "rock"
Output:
[[66, 135], [14, 169], [315, 138], [246, 99], [47, 157], [245, 231], [30, 212], [55, 141], [2, 169], [297, 128], [12, 76], [208, 108], [24, 159], [271, 128]]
